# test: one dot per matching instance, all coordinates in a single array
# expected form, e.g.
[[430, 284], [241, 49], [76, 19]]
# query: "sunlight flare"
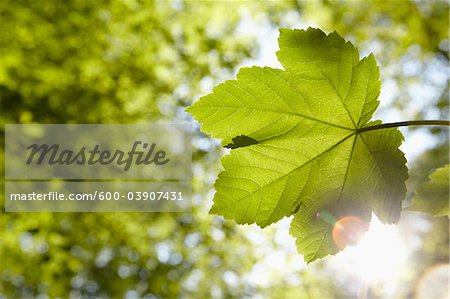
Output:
[[380, 256]]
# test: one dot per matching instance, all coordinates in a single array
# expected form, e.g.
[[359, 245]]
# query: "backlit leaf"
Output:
[[307, 153], [433, 196]]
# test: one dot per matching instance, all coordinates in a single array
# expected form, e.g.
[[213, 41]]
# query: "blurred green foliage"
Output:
[[143, 61], [64, 62]]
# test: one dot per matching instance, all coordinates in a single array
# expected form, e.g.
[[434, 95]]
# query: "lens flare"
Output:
[[380, 258], [348, 231], [434, 283]]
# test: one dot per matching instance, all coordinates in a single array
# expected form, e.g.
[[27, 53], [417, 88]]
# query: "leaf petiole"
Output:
[[406, 124]]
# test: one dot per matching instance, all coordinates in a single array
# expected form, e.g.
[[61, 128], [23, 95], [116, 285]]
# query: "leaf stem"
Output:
[[406, 124]]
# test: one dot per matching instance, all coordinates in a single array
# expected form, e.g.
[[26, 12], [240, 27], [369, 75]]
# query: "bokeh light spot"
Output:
[[434, 283]]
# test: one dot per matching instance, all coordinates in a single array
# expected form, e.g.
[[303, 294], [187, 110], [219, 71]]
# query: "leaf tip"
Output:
[[188, 109]]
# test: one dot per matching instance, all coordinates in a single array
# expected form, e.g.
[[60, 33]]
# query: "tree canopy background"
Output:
[[144, 61]]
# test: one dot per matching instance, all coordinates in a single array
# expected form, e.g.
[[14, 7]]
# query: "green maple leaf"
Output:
[[433, 196], [297, 144]]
